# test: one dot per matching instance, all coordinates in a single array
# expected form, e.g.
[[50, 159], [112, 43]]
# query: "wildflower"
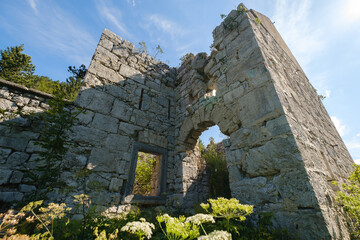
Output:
[[178, 228], [200, 218], [216, 235], [140, 228]]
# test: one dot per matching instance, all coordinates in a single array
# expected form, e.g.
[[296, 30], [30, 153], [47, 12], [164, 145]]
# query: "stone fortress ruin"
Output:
[[282, 153]]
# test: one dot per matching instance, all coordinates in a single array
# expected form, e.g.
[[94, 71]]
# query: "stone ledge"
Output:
[[24, 89]]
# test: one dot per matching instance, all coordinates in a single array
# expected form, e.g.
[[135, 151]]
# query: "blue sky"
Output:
[[323, 35]]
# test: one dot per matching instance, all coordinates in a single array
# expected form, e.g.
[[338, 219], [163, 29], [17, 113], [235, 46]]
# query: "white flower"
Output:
[[200, 218], [141, 228], [216, 235]]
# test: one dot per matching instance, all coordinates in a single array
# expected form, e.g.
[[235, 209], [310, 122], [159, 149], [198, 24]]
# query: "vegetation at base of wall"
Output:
[[217, 169], [17, 67], [225, 218], [349, 198]]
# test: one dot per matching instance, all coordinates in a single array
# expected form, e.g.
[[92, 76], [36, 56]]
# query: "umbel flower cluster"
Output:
[[140, 228], [216, 235]]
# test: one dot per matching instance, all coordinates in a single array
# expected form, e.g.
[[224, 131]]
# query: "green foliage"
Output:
[[257, 21], [158, 50], [177, 228], [217, 168], [349, 198], [57, 121], [16, 66], [143, 173], [227, 209], [183, 58], [142, 47], [51, 222], [322, 97], [46, 216], [71, 88]]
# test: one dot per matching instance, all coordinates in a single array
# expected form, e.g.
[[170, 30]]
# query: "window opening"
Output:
[[147, 174], [141, 98], [169, 108]]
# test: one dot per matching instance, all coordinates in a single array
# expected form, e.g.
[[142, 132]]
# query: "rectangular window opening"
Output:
[[147, 180], [141, 98]]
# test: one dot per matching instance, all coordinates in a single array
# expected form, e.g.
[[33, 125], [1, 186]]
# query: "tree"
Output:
[[72, 85], [16, 66]]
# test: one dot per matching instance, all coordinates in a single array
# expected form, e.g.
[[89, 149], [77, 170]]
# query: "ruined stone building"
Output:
[[282, 153]]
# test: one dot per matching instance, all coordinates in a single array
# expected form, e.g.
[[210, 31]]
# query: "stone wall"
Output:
[[282, 153], [18, 137], [127, 97]]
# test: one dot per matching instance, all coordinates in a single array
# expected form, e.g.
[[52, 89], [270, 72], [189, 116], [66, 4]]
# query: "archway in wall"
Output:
[[205, 173], [212, 149]]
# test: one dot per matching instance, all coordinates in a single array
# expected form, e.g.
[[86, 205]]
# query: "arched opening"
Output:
[[212, 149], [204, 167]]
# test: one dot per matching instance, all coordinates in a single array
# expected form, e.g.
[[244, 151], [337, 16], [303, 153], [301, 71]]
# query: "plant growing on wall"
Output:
[[57, 121]]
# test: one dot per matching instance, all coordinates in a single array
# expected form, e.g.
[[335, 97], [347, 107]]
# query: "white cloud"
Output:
[[33, 5], [56, 31], [357, 161], [358, 135], [132, 2], [350, 10], [113, 15], [303, 36], [339, 126], [165, 25], [353, 145], [327, 93]]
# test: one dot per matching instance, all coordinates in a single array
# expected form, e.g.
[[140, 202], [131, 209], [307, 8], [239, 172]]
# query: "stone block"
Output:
[[27, 188], [85, 117], [4, 153], [4, 176], [16, 177], [121, 51], [16, 143], [33, 146], [128, 128], [200, 61], [11, 196], [104, 72], [121, 110], [7, 104], [115, 184], [111, 36], [106, 58], [105, 123], [118, 142], [102, 160], [95, 100], [89, 135], [17, 159]]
